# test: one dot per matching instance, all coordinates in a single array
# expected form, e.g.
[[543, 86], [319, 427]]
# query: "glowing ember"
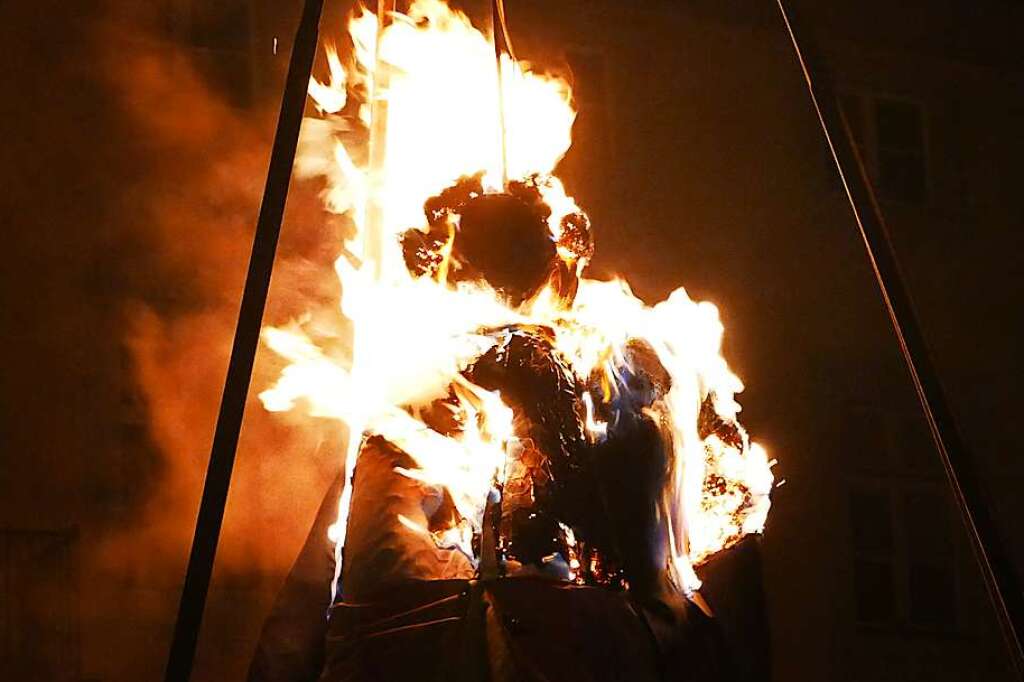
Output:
[[416, 333]]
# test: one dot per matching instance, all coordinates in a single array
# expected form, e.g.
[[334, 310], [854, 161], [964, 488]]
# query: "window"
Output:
[[874, 591], [890, 441], [221, 26], [930, 566], [899, 130], [219, 38], [890, 135], [871, 527], [904, 569]]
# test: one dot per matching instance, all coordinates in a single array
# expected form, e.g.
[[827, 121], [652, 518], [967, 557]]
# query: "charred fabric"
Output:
[[568, 577]]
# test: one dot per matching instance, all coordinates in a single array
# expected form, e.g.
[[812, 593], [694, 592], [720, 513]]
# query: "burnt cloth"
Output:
[[408, 609], [515, 629]]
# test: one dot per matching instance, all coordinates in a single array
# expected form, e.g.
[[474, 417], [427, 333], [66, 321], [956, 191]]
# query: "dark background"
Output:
[[134, 149]]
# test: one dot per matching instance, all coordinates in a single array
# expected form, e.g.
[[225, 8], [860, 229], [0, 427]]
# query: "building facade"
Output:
[[698, 157]]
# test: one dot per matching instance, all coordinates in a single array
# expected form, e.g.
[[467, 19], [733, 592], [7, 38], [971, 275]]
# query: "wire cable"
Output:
[[1001, 585], [502, 43]]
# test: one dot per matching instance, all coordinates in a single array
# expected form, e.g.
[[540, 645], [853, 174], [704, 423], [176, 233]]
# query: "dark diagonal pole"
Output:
[[243, 351], [998, 572]]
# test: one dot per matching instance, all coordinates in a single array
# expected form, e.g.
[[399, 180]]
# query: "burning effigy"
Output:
[[538, 462]]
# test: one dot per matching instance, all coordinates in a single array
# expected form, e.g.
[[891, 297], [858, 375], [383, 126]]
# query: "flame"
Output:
[[469, 463], [437, 85], [330, 97], [597, 429]]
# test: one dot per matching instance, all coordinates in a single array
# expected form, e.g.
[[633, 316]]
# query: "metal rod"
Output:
[[997, 570], [243, 351], [501, 45], [373, 243]]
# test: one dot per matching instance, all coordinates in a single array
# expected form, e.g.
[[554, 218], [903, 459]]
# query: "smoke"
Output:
[[131, 177], [189, 216]]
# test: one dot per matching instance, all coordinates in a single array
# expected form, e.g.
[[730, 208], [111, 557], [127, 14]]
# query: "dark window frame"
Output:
[[861, 107], [902, 560], [925, 532]]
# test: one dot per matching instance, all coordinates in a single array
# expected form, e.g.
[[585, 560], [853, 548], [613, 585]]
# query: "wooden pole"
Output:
[[243, 351]]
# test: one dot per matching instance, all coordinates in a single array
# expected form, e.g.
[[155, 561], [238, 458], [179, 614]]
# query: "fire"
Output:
[[436, 84]]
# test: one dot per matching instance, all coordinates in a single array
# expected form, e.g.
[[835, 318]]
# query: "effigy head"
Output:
[[503, 239]]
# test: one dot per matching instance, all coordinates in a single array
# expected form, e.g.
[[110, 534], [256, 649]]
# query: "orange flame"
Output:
[[414, 336]]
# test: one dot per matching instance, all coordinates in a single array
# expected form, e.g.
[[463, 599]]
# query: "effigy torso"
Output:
[[530, 517], [580, 591]]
